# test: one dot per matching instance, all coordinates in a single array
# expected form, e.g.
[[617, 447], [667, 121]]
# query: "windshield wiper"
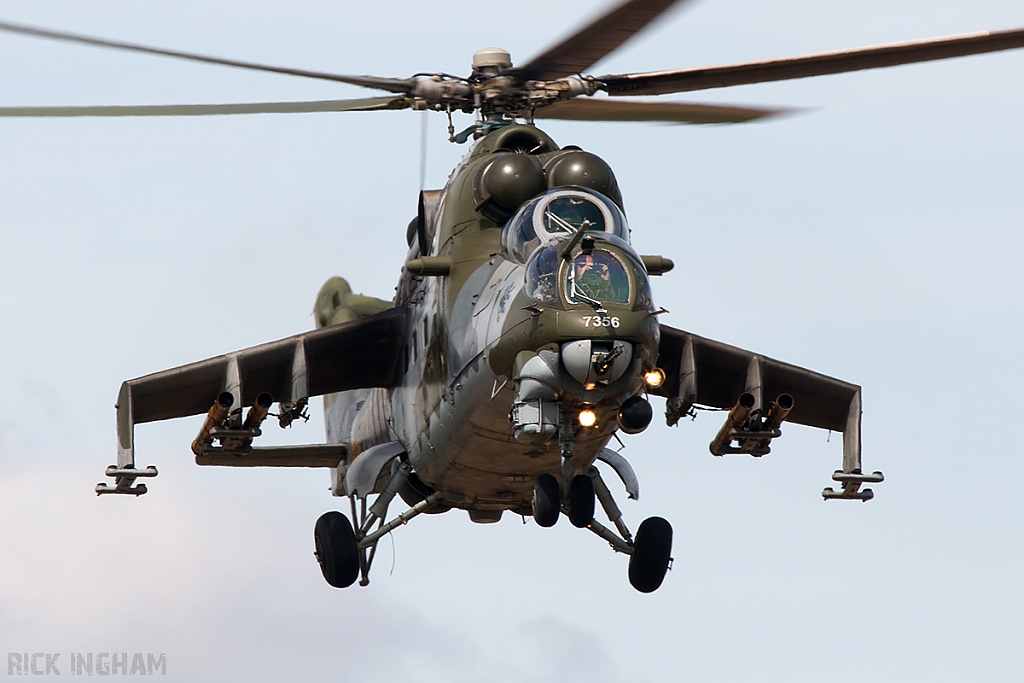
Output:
[[561, 221], [577, 294]]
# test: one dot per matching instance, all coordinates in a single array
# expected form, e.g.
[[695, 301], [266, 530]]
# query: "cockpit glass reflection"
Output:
[[597, 276], [540, 275], [566, 214], [643, 297]]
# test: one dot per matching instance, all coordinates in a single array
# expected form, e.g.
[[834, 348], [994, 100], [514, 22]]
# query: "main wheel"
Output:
[[652, 551], [546, 500], [336, 549], [581, 501]]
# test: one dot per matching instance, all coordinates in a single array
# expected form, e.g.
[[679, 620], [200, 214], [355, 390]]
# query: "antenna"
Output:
[[423, 150]]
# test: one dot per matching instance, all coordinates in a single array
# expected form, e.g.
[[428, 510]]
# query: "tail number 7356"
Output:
[[600, 321]]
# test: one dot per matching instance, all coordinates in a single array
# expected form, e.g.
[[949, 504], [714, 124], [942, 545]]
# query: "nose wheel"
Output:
[[581, 501], [546, 500]]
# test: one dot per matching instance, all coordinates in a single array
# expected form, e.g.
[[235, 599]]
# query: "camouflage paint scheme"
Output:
[[450, 407]]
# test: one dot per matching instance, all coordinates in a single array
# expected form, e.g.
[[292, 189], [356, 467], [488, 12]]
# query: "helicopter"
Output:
[[524, 333]]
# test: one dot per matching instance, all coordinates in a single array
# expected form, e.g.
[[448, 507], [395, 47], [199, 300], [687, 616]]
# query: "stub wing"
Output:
[[359, 354], [759, 393]]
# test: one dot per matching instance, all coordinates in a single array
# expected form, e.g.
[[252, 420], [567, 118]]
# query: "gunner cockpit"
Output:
[[575, 245]]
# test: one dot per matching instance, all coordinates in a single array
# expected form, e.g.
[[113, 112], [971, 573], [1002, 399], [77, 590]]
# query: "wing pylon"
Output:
[[360, 354], [759, 393]]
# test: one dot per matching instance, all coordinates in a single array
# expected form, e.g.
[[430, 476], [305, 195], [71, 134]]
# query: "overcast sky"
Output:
[[875, 236]]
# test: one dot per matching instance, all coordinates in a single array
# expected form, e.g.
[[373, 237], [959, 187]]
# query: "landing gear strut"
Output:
[[650, 553], [346, 554]]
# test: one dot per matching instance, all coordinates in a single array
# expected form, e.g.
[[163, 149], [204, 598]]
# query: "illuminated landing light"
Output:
[[655, 378], [588, 418]]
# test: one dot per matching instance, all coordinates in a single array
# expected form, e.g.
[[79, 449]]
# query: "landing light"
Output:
[[655, 378], [588, 418]]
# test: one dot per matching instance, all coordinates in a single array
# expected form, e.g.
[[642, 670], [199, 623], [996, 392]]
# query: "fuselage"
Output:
[[580, 312]]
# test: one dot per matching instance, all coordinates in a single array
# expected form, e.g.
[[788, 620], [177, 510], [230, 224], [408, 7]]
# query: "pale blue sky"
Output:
[[875, 237]]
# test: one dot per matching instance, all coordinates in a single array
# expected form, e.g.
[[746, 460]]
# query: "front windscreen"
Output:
[[567, 213], [558, 215], [597, 276]]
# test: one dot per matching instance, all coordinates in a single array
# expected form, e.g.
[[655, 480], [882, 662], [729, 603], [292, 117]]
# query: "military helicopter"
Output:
[[523, 335]]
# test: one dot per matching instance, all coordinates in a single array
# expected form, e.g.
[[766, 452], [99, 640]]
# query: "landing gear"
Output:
[[547, 500], [581, 501], [652, 553], [346, 553], [336, 549]]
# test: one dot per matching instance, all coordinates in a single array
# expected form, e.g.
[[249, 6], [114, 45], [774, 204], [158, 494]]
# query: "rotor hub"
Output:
[[491, 60]]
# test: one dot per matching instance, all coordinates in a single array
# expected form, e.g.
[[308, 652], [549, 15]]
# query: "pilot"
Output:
[[600, 277]]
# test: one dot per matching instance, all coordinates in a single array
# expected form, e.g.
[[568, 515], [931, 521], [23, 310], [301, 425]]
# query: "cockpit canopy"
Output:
[[557, 215], [601, 268], [607, 273]]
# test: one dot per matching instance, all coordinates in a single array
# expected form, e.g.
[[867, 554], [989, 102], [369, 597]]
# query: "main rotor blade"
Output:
[[365, 104], [390, 84], [682, 80], [586, 47], [668, 112]]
